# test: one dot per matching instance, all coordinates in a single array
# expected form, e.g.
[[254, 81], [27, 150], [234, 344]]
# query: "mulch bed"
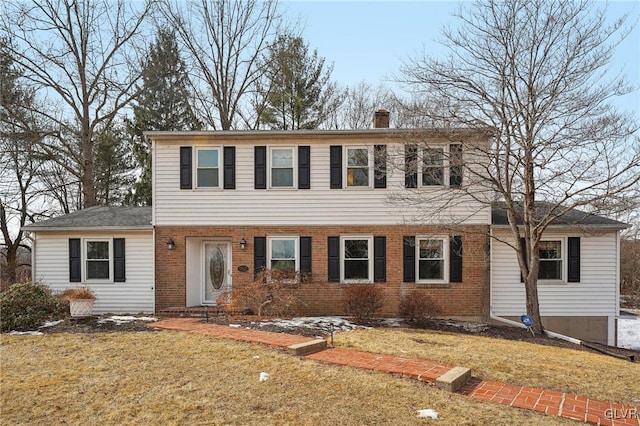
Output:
[[97, 324]]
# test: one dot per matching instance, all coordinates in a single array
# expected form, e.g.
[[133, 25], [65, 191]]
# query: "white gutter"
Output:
[[548, 333]]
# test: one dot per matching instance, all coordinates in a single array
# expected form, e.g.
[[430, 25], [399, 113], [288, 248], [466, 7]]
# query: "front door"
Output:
[[217, 271]]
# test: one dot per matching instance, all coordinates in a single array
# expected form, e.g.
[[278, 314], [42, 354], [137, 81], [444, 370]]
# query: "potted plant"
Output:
[[81, 301]]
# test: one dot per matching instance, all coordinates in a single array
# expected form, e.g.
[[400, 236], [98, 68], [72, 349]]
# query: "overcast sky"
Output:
[[367, 40]]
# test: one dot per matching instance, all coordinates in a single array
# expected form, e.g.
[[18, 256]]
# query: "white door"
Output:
[[216, 271]]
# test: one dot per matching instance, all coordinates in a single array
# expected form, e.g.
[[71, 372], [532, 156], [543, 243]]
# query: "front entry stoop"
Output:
[[307, 348]]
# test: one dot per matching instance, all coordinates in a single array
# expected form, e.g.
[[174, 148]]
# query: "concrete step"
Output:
[[306, 348], [454, 379]]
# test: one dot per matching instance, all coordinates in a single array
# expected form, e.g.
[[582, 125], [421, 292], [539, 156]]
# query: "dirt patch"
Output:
[[98, 324]]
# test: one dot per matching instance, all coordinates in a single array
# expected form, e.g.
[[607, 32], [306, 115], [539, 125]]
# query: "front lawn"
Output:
[[186, 378], [519, 363]]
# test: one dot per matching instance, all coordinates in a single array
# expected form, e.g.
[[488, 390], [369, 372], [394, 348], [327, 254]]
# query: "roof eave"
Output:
[[84, 228]]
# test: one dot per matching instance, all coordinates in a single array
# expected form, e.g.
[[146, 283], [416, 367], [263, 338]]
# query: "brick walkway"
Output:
[[548, 402]]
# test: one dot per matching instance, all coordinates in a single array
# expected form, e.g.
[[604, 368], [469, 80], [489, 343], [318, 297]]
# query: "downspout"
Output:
[[548, 333]]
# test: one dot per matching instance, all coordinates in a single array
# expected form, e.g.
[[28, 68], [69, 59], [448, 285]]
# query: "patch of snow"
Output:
[[629, 333], [326, 324], [264, 376], [235, 325], [428, 413], [51, 323], [25, 333], [256, 357], [125, 319]]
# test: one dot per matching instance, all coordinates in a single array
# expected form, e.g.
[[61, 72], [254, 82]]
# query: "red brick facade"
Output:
[[468, 298]]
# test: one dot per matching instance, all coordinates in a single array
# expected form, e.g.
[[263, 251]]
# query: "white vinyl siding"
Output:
[[594, 295], [318, 205], [51, 266]]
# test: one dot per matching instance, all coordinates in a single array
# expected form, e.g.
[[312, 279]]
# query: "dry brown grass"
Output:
[[520, 363], [187, 378]]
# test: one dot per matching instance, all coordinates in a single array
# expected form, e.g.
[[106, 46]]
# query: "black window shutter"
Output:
[[523, 247], [455, 259], [380, 166], [229, 167], [305, 256], [455, 165], [379, 259], [333, 256], [304, 167], [75, 262], [118, 260], [260, 167], [259, 254], [411, 166], [336, 166], [409, 259], [573, 273], [186, 174]]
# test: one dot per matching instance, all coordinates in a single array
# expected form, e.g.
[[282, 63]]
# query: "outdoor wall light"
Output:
[[170, 244], [243, 244]]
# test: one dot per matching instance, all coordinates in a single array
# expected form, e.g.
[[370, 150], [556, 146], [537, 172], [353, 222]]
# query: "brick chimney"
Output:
[[381, 119]]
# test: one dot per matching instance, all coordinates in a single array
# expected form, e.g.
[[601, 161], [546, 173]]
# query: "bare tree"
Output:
[[537, 74], [360, 101], [79, 54], [20, 165], [224, 40]]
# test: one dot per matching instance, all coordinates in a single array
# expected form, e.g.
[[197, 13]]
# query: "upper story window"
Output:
[[208, 168], [433, 167], [357, 262], [550, 260], [282, 163], [98, 263], [284, 254], [358, 167]]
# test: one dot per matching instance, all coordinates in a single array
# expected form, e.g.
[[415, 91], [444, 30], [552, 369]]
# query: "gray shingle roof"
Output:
[[101, 217], [574, 217]]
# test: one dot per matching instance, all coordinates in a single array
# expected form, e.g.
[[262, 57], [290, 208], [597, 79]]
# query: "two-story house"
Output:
[[227, 204]]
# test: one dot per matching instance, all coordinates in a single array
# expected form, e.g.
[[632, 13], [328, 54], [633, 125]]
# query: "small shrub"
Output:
[[270, 293], [80, 293], [363, 301], [419, 308], [26, 306]]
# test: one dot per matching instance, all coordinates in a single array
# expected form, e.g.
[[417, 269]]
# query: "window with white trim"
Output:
[[433, 167], [97, 260], [432, 262], [283, 254], [358, 167], [282, 167], [550, 252], [357, 258], [208, 168]]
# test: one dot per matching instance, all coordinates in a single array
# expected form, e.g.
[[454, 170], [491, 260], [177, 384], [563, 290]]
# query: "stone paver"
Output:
[[544, 401]]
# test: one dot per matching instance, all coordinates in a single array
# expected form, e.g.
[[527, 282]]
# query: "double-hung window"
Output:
[[357, 262], [208, 168], [283, 254], [98, 262], [433, 167], [550, 260], [358, 167], [282, 163], [432, 262]]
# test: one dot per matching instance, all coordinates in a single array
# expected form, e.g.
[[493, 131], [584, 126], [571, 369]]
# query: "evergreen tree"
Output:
[[297, 90], [163, 104], [113, 166]]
